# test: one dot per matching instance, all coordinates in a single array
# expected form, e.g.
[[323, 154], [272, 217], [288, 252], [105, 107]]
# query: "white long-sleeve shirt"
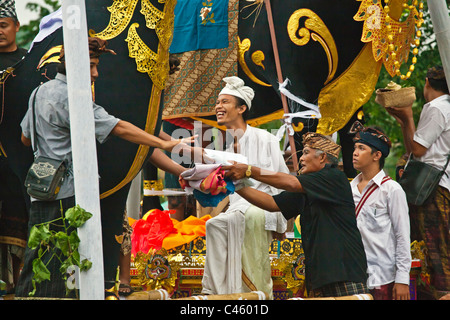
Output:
[[383, 222]]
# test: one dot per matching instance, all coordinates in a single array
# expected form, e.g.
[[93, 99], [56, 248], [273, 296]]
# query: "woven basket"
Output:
[[403, 97]]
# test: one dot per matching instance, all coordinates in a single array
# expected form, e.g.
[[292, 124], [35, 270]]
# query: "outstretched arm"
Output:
[[130, 132], [258, 198], [160, 160], [278, 180]]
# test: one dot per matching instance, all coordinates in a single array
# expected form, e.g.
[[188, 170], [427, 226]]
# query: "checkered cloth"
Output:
[[8, 9]]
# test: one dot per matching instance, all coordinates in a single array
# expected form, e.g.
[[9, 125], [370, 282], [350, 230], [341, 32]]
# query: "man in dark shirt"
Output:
[[335, 260], [13, 205], [10, 53]]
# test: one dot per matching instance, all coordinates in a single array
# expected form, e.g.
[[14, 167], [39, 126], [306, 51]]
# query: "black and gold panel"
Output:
[[129, 86]]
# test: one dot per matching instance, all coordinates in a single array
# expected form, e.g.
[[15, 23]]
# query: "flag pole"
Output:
[[84, 152], [280, 79]]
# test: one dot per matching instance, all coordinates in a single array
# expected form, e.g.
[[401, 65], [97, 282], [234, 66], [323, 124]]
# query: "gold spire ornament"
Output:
[[392, 38]]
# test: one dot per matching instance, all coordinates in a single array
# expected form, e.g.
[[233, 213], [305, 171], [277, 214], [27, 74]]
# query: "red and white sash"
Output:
[[367, 194]]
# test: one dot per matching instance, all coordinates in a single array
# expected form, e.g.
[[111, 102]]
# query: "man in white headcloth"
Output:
[[238, 240]]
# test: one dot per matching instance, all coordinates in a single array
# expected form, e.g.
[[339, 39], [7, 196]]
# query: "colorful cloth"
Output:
[[150, 231], [207, 183], [340, 289], [430, 222], [157, 230], [193, 90], [200, 24], [320, 142], [186, 231]]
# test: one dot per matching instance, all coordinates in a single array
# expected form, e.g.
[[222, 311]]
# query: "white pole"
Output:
[[134, 198], [441, 27], [82, 129]]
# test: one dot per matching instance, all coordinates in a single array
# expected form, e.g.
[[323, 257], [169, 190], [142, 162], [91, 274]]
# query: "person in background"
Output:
[[430, 143], [14, 202]]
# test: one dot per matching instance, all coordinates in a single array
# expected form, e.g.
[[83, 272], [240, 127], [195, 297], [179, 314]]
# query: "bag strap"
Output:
[[33, 141], [367, 194], [446, 164]]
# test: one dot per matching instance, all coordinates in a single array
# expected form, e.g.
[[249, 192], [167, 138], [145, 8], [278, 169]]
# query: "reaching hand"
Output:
[[402, 115], [168, 145], [236, 171]]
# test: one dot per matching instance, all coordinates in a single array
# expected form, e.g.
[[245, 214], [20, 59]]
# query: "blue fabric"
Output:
[[193, 33], [208, 200]]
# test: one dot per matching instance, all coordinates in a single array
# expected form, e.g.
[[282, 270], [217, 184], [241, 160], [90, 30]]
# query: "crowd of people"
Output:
[[356, 235]]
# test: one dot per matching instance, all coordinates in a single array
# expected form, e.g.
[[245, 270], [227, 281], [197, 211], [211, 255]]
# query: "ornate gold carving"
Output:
[[156, 185], [258, 58], [155, 64], [51, 56], [158, 269], [316, 29], [148, 61], [151, 13], [391, 39], [244, 46], [121, 14]]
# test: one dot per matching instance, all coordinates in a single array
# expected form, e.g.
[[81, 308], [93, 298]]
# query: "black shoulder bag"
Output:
[[420, 180], [45, 176]]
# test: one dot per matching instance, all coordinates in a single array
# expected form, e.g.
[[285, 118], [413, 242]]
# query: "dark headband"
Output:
[[371, 137]]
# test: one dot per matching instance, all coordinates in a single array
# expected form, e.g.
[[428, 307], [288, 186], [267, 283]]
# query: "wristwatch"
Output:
[[248, 173]]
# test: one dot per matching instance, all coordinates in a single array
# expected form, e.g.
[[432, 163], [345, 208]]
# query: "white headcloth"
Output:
[[235, 86]]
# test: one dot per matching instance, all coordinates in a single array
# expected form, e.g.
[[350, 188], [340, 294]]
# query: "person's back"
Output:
[[433, 132]]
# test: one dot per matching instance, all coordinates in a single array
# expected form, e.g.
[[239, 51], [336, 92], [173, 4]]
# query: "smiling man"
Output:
[[238, 240]]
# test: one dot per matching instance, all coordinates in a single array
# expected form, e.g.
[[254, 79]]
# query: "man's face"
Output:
[[94, 69], [8, 29], [363, 156], [311, 161], [227, 110]]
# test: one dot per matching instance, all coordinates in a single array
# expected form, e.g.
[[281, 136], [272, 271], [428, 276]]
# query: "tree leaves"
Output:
[[77, 216], [58, 244]]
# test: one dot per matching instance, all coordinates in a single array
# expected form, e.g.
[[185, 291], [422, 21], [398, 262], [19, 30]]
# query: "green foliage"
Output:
[[376, 115], [43, 236], [27, 32]]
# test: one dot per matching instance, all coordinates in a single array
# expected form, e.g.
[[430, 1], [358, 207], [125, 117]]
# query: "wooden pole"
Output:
[[441, 27], [280, 79], [84, 153]]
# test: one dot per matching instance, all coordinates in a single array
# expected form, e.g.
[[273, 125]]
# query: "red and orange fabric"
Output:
[[157, 230]]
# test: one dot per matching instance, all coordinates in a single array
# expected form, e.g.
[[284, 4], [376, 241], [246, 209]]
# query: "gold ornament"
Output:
[[391, 38]]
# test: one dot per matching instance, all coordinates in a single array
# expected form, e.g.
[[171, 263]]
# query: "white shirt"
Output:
[[433, 132], [262, 150], [383, 222]]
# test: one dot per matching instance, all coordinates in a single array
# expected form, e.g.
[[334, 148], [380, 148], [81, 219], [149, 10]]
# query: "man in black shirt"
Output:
[[13, 205], [335, 260], [10, 53]]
